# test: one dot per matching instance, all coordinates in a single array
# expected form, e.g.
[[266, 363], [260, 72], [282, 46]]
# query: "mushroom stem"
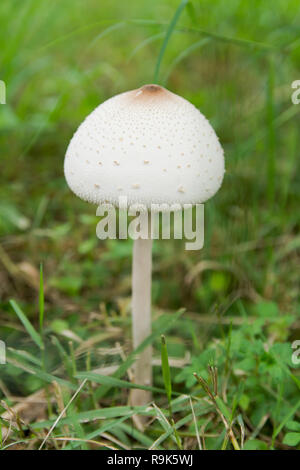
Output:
[[141, 317]]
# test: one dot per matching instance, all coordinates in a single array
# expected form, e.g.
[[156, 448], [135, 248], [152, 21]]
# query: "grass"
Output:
[[230, 312]]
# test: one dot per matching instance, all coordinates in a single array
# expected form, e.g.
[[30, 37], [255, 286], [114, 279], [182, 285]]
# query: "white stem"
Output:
[[141, 317]]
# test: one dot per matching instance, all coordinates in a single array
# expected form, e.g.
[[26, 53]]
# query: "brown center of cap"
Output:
[[147, 94], [152, 88]]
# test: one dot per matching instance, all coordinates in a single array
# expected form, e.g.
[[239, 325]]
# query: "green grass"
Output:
[[65, 295]]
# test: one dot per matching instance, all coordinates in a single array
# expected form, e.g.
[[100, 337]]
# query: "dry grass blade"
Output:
[[196, 427], [111, 438], [88, 441], [62, 412], [60, 404]]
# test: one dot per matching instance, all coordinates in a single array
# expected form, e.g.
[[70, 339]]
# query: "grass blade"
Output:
[[106, 427], [169, 33], [27, 325], [114, 382], [168, 428], [144, 43], [271, 141], [184, 54], [103, 413], [137, 435], [41, 299], [166, 371]]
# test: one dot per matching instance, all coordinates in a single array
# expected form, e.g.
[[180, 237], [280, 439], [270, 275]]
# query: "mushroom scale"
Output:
[[154, 145]]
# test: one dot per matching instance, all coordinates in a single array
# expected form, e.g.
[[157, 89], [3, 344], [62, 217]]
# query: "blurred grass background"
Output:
[[235, 60]]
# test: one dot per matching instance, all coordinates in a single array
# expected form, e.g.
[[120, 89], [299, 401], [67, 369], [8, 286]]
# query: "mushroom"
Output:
[[166, 152]]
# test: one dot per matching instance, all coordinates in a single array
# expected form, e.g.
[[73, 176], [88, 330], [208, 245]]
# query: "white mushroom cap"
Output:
[[149, 145]]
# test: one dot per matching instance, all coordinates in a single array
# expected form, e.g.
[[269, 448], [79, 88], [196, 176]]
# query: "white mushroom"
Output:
[[180, 130], [150, 124]]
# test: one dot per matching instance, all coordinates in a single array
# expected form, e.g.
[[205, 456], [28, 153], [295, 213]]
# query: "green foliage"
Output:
[[254, 364], [255, 444], [292, 439]]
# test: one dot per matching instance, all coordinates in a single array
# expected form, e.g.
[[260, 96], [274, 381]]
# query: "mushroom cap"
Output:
[[149, 145]]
